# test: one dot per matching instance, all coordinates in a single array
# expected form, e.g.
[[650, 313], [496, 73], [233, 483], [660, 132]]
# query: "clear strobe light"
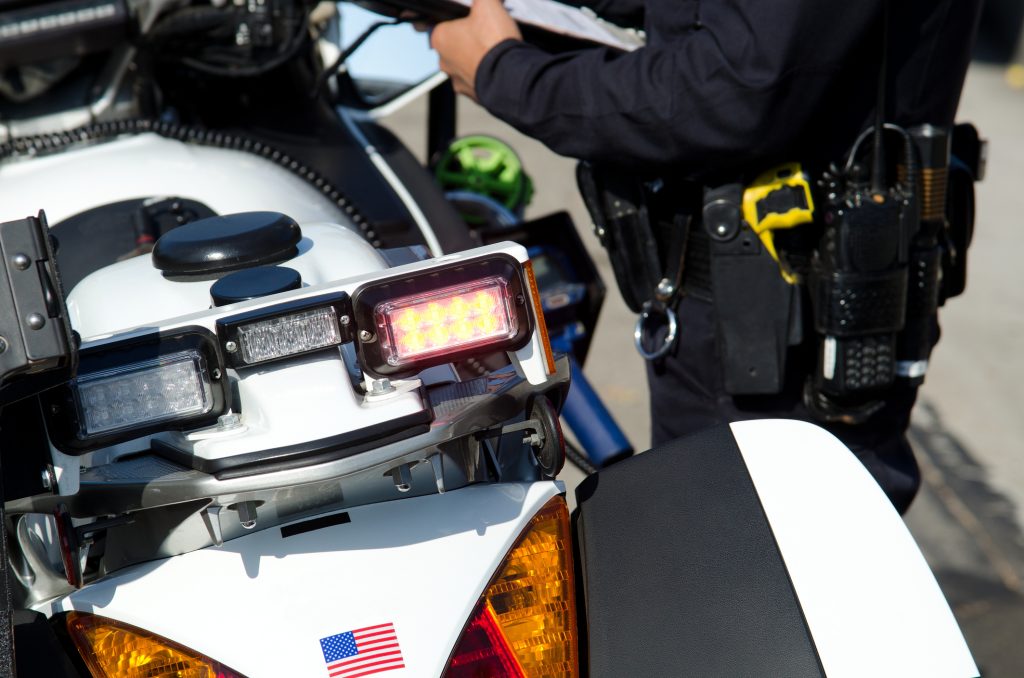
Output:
[[143, 393], [288, 335]]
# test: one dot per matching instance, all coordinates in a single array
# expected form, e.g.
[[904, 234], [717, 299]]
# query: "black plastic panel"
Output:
[[25, 450], [39, 651], [680, 571], [37, 345], [103, 235], [312, 452], [253, 283], [314, 524]]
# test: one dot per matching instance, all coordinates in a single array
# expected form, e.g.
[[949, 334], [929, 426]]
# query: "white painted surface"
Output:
[[145, 298], [146, 165], [871, 602], [260, 604], [299, 400]]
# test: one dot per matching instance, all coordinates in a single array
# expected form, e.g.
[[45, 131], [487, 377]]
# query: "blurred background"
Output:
[[968, 426]]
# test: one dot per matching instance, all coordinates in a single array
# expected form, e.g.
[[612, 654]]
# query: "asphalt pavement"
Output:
[[968, 427]]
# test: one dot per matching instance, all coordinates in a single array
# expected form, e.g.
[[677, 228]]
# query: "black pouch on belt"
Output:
[[966, 167], [618, 206], [757, 312]]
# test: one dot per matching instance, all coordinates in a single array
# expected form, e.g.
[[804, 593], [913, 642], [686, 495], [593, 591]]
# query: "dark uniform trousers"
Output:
[[687, 395]]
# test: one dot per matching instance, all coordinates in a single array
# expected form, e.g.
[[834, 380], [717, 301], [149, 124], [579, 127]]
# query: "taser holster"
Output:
[[757, 312]]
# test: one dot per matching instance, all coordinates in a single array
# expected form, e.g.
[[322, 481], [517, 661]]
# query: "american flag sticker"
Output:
[[362, 652]]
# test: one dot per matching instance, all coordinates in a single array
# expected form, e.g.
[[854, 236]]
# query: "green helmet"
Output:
[[485, 165]]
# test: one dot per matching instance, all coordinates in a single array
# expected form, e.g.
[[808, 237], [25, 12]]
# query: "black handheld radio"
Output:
[[875, 276], [858, 286]]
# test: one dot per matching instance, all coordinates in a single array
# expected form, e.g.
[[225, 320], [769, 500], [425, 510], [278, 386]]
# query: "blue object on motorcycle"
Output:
[[253, 283], [592, 423]]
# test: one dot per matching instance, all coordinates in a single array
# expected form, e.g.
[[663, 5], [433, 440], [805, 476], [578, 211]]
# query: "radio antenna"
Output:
[[878, 154]]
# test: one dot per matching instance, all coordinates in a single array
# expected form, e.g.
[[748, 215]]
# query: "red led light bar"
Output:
[[443, 314], [442, 321]]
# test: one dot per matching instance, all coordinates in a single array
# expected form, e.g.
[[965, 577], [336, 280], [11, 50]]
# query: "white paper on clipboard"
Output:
[[571, 21]]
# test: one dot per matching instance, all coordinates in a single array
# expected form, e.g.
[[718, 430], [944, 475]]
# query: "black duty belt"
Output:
[[660, 247], [697, 264]]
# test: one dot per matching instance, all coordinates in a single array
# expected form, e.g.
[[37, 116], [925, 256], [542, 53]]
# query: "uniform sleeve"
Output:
[[744, 82]]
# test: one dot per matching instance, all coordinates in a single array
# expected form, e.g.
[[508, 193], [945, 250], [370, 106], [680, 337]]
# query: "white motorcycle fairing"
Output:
[[260, 604], [151, 298], [871, 602], [145, 165]]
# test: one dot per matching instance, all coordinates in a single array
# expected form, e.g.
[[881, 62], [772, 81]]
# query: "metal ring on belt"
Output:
[[649, 310]]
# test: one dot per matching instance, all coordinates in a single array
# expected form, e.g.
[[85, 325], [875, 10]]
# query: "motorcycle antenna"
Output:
[[878, 152], [321, 79]]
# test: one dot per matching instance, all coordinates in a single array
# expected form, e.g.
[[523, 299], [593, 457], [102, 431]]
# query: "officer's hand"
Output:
[[462, 44]]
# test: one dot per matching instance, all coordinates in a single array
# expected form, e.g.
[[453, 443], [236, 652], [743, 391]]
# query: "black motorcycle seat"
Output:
[[680, 572]]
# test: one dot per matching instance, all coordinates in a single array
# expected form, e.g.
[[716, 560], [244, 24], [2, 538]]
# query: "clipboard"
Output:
[[546, 23]]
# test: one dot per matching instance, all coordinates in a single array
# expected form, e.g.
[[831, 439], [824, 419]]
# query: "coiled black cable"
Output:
[[101, 131]]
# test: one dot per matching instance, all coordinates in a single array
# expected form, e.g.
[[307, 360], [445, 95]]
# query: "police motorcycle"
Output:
[[250, 429]]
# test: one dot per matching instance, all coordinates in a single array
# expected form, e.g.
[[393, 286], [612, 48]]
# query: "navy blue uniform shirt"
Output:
[[733, 86]]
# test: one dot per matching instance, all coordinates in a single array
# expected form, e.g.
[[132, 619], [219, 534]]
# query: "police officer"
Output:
[[724, 89]]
